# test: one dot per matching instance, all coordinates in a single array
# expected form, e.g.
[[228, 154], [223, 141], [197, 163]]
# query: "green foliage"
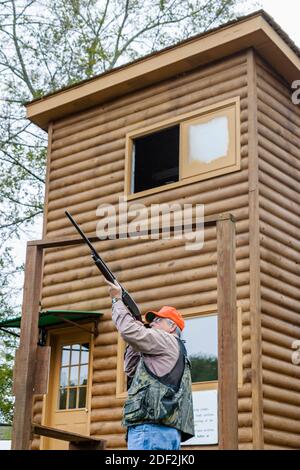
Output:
[[6, 400], [204, 368]]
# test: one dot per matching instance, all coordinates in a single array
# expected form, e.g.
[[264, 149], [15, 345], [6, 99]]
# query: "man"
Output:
[[158, 412]]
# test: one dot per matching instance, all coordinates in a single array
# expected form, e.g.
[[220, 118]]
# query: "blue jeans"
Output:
[[153, 437]]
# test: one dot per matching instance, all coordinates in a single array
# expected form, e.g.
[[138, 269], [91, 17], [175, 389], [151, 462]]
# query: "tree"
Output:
[[47, 45]]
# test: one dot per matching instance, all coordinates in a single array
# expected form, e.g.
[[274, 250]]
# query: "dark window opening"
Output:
[[155, 159]]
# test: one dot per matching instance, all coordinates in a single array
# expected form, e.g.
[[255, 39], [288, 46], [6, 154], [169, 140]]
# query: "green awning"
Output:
[[54, 317]]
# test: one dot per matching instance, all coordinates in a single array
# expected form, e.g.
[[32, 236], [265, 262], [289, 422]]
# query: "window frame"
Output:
[[234, 161]]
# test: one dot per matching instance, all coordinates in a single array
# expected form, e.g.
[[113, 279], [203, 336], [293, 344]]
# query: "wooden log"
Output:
[[275, 257], [272, 116], [183, 301], [282, 409], [280, 299], [245, 405], [92, 159], [208, 190], [245, 420], [283, 288], [59, 228], [282, 213], [277, 379], [279, 235], [151, 96], [107, 401], [282, 327], [278, 141], [276, 352], [139, 96], [279, 183], [150, 289], [106, 414], [79, 201], [280, 313], [282, 424], [80, 196], [281, 156], [122, 250], [106, 339], [105, 326], [113, 441], [104, 389], [278, 168], [90, 278], [109, 427], [100, 135], [278, 338], [281, 438], [245, 434], [264, 93], [245, 391], [274, 89], [102, 376], [286, 203], [100, 363], [280, 394], [104, 351], [167, 276], [246, 446], [281, 367]]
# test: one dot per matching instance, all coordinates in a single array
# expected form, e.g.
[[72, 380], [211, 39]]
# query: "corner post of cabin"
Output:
[[227, 334], [26, 357]]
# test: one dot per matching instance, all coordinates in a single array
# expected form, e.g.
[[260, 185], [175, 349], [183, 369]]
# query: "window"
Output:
[[73, 377], [201, 336], [191, 147], [155, 159]]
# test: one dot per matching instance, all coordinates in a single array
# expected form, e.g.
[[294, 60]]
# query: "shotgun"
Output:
[[104, 269]]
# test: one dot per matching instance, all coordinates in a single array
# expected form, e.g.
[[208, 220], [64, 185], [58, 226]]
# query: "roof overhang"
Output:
[[253, 31]]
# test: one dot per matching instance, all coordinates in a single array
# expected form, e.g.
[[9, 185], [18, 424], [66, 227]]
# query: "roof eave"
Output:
[[254, 32]]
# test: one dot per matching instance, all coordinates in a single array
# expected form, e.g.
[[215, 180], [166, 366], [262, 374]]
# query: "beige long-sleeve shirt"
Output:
[[160, 349]]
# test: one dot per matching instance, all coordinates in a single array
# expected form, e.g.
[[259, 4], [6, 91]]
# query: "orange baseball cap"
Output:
[[166, 312]]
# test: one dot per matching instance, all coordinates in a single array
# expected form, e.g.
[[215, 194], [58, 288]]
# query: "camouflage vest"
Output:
[[151, 400]]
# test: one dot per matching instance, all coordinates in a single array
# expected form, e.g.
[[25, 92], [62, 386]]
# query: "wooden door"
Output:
[[68, 403]]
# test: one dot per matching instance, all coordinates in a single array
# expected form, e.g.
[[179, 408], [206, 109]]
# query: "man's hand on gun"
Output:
[[114, 289]]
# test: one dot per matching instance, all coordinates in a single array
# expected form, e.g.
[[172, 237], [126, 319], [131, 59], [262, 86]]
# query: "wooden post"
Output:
[[227, 334], [24, 380]]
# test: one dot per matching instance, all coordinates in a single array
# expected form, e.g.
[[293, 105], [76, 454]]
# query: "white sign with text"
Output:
[[205, 418]]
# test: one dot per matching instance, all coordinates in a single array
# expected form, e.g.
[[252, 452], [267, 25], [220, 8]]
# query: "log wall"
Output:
[[86, 168], [279, 208]]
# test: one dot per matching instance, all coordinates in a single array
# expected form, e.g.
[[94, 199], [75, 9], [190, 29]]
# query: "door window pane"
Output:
[[72, 398], [63, 399], [64, 372], [83, 375], [65, 360], [74, 375], [82, 397], [201, 336], [84, 353], [75, 354]]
